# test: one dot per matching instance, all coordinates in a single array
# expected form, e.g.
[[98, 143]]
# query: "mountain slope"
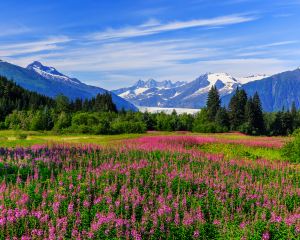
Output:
[[48, 81], [276, 92], [149, 93], [194, 94]]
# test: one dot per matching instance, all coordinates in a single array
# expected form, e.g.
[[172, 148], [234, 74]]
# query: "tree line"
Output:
[[245, 114], [27, 110]]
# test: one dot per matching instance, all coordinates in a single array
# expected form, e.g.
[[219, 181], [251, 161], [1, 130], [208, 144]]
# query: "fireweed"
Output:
[[148, 188]]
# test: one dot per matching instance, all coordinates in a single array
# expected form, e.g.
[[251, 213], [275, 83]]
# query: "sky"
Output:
[[113, 44]]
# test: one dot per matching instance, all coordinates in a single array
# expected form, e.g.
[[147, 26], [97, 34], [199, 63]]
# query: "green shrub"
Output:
[[21, 136], [292, 149], [209, 128], [118, 127]]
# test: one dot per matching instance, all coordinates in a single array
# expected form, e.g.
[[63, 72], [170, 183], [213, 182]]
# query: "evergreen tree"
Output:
[[148, 119], [222, 118], [213, 103], [276, 126], [287, 123], [237, 109], [258, 123], [103, 103], [294, 115], [62, 103], [249, 125]]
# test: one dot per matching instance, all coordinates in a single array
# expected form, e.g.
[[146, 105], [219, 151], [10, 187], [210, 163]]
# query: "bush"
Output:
[[118, 127], [209, 128], [248, 129], [292, 149], [21, 136]]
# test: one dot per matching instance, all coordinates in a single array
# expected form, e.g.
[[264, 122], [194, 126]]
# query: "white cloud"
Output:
[[156, 27], [269, 45], [12, 49]]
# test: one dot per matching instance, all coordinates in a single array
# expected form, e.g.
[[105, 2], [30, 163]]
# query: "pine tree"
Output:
[[276, 126], [237, 109], [294, 115], [62, 103], [249, 127], [259, 124], [222, 118], [213, 103], [287, 123]]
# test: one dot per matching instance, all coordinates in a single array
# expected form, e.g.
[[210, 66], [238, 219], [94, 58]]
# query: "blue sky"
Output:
[[114, 43]]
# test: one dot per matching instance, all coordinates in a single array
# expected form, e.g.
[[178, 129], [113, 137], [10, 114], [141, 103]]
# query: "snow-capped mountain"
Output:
[[48, 81], [179, 94], [50, 73]]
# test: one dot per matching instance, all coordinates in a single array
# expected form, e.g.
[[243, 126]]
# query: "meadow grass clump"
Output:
[[21, 136]]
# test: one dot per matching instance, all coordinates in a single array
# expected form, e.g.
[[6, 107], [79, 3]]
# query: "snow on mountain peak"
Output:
[[40, 66], [50, 72], [223, 77], [224, 82], [244, 80], [152, 83]]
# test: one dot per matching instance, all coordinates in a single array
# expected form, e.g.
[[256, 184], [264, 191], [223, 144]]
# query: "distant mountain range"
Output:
[[48, 81], [275, 91], [181, 94]]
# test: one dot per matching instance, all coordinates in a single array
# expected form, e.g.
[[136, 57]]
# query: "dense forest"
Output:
[[26, 110]]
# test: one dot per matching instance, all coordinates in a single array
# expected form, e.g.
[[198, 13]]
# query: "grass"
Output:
[[231, 151], [9, 138]]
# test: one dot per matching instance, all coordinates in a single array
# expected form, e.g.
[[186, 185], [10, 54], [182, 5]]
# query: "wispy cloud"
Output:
[[156, 27], [270, 45], [12, 49], [10, 30]]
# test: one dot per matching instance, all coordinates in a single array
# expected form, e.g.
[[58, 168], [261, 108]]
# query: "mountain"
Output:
[[48, 81], [149, 93], [276, 92], [180, 94]]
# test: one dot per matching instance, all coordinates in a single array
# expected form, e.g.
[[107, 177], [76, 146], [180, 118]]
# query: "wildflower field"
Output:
[[180, 186]]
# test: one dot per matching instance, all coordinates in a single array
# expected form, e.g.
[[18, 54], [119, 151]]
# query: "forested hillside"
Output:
[[14, 97]]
